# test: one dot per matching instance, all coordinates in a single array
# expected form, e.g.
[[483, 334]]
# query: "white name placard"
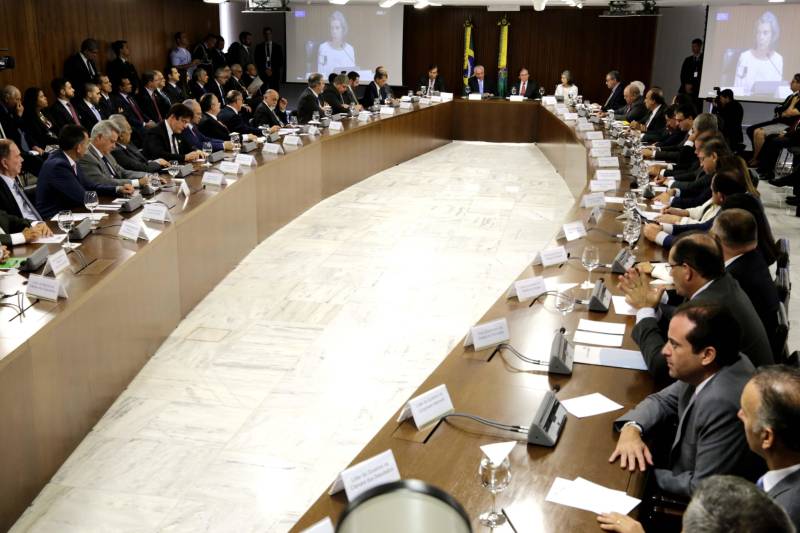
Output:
[[272, 148], [313, 130], [602, 185], [436, 98], [215, 179], [367, 474], [487, 334], [516, 98], [445, 97], [228, 167], [574, 230], [594, 135], [601, 143], [363, 116], [56, 263], [551, 256], [45, 288], [608, 162], [292, 140], [133, 230], [594, 199], [336, 125], [587, 126], [387, 110], [474, 96], [427, 407], [549, 100], [425, 101], [323, 526], [570, 116], [600, 152], [527, 289], [406, 105], [246, 160], [156, 212], [608, 174]]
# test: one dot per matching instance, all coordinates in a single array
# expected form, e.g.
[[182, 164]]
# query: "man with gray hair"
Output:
[[634, 109], [98, 165], [265, 112], [128, 155], [770, 411], [334, 95], [192, 134], [310, 99]]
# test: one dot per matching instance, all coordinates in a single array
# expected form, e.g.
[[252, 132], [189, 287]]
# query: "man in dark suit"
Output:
[[654, 124], [241, 52], [106, 105], [737, 233], [217, 85], [730, 114], [164, 140], [88, 107], [127, 154], [269, 60], [616, 99], [218, 59], [173, 88], [148, 97], [770, 411], [333, 95], [478, 84], [62, 184], [210, 124], [202, 53], [231, 115], [634, 109], [310, 99], [234, 82], [266, 115], [710, 374], [698, 273], [691, 70], [674, 135], [124, 100], [13, 199], [199, 83], [525, 86], [121, 67], [378, 89], [81, 68], [196, 138], [353, 81], [432, 81], [62, 111]]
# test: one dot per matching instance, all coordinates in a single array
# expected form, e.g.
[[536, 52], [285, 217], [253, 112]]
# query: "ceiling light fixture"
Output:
[[386, 4], [422, 4]]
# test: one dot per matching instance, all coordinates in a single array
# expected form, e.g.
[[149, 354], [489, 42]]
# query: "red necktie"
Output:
[[522, 89], [73, 113], [135, 108], [155, 104]]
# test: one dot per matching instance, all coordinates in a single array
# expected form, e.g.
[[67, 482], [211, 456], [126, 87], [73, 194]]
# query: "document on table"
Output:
[[599, 339], [621, 307], [613, 357], [590, 405], [612, 328], [56, 238], [77, 217], [614, 200], [583, 494]]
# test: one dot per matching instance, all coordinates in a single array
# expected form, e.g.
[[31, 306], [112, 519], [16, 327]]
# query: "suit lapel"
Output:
[[785, 484], [685, 404]]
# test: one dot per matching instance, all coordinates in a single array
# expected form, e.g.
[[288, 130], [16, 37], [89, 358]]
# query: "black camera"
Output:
[[6, 62]]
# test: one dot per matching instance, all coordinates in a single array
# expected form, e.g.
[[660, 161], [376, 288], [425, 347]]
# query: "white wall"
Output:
[[677, 26]]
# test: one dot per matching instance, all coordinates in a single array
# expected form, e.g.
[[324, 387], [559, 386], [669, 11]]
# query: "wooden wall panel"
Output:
[[546, 42], [41, 34]]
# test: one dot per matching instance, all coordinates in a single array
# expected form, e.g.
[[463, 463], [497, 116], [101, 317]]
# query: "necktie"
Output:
[[174, 143], [760, 483], [522, 89], [480, 86], [27, 209], [73, 113], [135, 108], [108, 164], [2, 132], [276, 116], [96, 113], [155, 105]]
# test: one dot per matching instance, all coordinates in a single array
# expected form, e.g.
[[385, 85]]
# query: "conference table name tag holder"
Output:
[[56, 263], [608, 162], [488, 334], [572, 231], [593, 135], [45, 288], [424, 101], [292, 140], [608, 174], [133, 230], [156, 212], [369, 473], [228, 167], [527, 289], [246, 160], [336, 125], [272, 148], [213, 179], [387, 110], [551, 256], [427, 407], [364, 116], [323, 526], [593, 199]]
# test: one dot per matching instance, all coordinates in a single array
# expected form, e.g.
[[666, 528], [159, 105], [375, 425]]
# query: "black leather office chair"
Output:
[[783, 249], [780, 351], [784, 285]]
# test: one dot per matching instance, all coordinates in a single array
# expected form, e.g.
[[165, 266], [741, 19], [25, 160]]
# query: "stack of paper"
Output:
[[621, 307], [583, 494], [590, 405], [599, 333], [614, 357]]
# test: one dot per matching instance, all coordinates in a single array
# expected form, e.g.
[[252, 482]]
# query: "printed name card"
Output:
[[587, 126], [424, 101], [602, 185], [474, 96], [406, 105], [45, 288], [245, 160], [292, 140], [601, 143], [313, 130], [594, 199], [608, 162], [516, 98], [574, 230], [549, 100], [436, 98], [594, 216], [551, 256], [608, 174], [600, 152], [527, 289], [336, 125], [387, 110], [272, 148], [215, 179], [446, 97], [228, 167], [488, 334], [427, 407], [363, 476], [594, 135], [133, 230], [323, 526], [363, 116], [56, 263], [570, 116], [184, 189], [157, 212]]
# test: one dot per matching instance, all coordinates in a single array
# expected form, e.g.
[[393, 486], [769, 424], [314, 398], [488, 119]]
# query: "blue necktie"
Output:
[[760, 483], [28, 211]]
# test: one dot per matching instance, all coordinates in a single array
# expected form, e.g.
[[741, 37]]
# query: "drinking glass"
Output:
[[208, 149], [423, 90], [541, 92], [590, 260], [173, 169], [410, 94], [565, 303], [376, 103], [467, 90], [514, 91], [579, 99], [629, 203], [155, 182], [494, 478], [90, 201], [293, 120], [65, 222], [315, 116], [264, 131], [237, 143], [328, 112]]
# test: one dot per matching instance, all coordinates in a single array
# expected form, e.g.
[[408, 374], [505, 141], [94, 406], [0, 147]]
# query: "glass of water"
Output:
[[208, 149], [590, 260], [315, 116], [514, 91], [423, 90], [565, 303], [237, 143], [65, 222], [494, 478], [173, 169], [541, 92]]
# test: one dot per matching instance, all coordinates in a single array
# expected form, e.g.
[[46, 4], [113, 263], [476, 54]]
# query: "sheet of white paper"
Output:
[[589, 496], [613, 357], [77, 217], [590, 405], [601, 327], [56, 238], [614, 200], [621, 307], [598, 339]]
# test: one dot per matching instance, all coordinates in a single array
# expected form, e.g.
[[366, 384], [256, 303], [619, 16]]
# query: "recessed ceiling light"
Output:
[[338, 2], [388, 3]]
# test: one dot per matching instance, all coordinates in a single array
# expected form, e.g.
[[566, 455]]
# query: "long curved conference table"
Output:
[[64, 363]]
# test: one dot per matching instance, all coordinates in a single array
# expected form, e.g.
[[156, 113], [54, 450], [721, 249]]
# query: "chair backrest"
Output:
[[783, 252], [784, 285], [404, 506], [780, 351]]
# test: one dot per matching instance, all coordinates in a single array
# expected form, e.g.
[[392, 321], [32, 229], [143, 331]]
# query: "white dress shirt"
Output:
[[773, 477]]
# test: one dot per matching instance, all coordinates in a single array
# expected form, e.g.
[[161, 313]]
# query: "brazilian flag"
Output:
[[469, 51], [502, 58]]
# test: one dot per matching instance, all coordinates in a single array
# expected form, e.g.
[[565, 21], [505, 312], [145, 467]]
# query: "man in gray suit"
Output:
[[698, 273], [703, 357], [98, 165], [771, 415]]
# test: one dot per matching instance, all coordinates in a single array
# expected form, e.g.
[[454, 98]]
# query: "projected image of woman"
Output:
[[761, 63], [336, 54]]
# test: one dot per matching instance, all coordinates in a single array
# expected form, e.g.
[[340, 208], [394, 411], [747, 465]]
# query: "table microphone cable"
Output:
[[504, 346], [486, 422]]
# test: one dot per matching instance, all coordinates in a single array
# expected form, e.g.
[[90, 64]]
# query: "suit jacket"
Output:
[[131, 158], [306, 105], [118, 69], [12, 124], [372, 91], [235, 122], [196, 90], [78, 74], [175, 94], [213, 128], [276, 63], [58, 114], [215, 88], [96, 172], [438, 83], [752, 273], [616, 99], [650, 334], [133, 113], [531, 89], [8, 203], [689, 67], [236, 85], [263, 116], [240, 54], [333, 98], [203, 54], [157, 146], [195, 138], [10, 224], [85, 115], [107, 107], [709, 439], [488, 85], [39, 133], [150, 107], [672, 138], [730, 119], [60, 188], [218, 58], [787, 494], [636, 111], [659, 122]]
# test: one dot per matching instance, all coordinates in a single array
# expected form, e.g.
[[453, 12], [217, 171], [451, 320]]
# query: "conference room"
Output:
[[399, 265]]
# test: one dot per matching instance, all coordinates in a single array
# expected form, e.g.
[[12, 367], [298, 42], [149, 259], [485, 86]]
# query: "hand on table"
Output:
[[667, 219], [631, 450], [620, 523], [4, 253]]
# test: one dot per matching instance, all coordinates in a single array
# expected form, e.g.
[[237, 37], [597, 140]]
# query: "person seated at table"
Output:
[[674, 135], [231, 116], [100, 167], [266, 112], [694, 185], [785, 115], [525, 86], [15, 230], [165, 142], [698, 275], [19, 219], [333, 95], [431, 81], [310, 100], [62, 184], [128, 155], [350, 97], [210, 124], [377, 90], [654, 125], [616, 99], [634, 109], [566, 89], [479, 84], [194, 137], [283, 110], [702, 356], [720, 504], [771, 416], [682, 156]]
